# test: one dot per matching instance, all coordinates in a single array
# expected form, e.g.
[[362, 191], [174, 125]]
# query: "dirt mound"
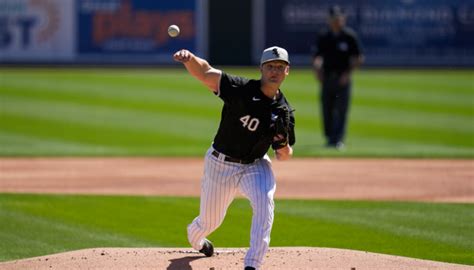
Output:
[[186, 259]]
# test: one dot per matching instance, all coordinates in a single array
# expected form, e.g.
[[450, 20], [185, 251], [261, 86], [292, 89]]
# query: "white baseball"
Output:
[[173, 30]]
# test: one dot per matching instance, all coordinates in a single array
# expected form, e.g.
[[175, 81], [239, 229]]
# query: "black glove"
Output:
[[280, 125]]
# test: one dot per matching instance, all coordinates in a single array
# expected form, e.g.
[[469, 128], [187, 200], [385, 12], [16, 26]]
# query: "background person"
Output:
[[336, 53]]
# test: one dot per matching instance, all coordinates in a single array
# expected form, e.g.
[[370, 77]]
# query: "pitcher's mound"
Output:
[[186, 259]]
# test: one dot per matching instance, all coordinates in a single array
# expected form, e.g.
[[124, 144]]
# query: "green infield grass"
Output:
[[166, 112], [33, 225]]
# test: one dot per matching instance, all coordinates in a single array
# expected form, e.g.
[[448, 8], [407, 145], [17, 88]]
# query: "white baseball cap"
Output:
[[274, 53]]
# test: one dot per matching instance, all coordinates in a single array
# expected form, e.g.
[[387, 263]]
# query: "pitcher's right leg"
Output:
[[218, 187]]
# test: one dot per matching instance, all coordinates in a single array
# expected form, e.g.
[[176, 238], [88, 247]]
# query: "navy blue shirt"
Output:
[[337, 49]]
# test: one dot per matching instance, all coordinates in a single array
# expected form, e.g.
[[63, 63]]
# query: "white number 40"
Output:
[[250, 123]]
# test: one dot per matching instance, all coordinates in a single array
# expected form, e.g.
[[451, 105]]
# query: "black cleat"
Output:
[[249, 268], [207, 248]]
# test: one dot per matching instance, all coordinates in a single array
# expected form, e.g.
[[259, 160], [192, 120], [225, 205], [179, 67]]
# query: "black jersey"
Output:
[[337, 49], [245, 117]]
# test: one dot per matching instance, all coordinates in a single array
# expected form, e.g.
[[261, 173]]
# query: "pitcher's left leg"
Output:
[[258, 184]]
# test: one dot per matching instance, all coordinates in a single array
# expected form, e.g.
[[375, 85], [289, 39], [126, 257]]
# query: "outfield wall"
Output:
[[99, 31], [35, 30], [393, 33]]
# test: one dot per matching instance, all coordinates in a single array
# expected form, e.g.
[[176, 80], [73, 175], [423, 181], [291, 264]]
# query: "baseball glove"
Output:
[[280, 125]]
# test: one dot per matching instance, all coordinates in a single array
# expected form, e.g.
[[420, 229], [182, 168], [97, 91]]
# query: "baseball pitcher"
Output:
[[255, 116]]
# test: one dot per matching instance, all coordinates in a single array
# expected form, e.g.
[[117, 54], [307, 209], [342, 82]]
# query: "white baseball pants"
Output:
[[219, 185]]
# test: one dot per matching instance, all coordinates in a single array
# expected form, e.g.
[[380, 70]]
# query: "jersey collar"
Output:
[[264, 97]]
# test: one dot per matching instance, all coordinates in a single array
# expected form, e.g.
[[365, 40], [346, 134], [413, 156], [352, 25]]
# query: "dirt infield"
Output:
[[354, 179], [186, 259]]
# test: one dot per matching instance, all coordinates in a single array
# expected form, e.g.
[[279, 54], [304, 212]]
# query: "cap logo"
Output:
[[275, 52]]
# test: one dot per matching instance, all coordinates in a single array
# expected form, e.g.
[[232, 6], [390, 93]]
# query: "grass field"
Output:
[[32, 225], [167, 112]]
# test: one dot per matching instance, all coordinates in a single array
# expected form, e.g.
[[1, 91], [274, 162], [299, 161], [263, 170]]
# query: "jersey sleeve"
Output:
[[229, 86], [291, 131], [356, 48]]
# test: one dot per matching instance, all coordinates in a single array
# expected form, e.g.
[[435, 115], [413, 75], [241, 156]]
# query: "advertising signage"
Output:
[[99, 31], [396, 32], [35, 30], [135, 30]]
